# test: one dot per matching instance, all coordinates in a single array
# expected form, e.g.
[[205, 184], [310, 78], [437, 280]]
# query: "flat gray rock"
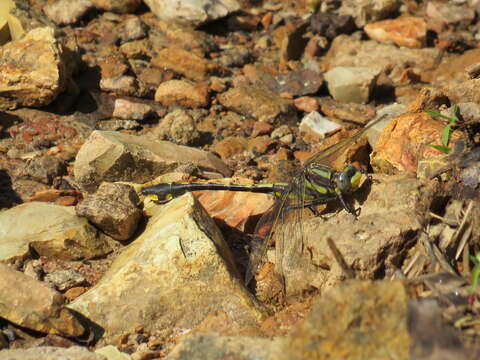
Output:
[[112, 156], [51, 230]]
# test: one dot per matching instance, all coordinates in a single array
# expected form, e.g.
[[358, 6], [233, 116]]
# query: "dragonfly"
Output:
[[313, 184]]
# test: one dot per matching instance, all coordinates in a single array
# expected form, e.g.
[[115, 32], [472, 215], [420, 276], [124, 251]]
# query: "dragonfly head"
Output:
[[349, 179]]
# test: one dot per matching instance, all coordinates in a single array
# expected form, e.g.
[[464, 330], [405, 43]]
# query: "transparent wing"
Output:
[[327, 155], [289, 243], [266, 226]]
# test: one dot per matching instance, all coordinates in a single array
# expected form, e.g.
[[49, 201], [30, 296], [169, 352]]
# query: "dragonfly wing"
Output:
[[264, 230], [289, 244], [327, 155]]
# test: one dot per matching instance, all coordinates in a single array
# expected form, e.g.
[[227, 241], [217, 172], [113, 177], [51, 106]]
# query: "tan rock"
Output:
[[112, 156], [183, 93], [121, 85], [51, 353], [113, 208], [177, 126], [67, 12], [125, 109], [177, 272], [184, 62], [348, 51], [50, 230], [380, 332], [32, 70], [10, 26], [258, 103], [34, 305], [406, 31], [118, 6]]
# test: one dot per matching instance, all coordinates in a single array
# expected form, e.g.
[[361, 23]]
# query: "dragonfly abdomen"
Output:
[[168, 191]]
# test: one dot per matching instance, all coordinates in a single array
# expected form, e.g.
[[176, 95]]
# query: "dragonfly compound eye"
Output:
[[348, 179]]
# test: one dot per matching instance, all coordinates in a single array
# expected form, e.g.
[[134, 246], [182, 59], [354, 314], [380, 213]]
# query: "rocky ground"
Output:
[[100, 98]]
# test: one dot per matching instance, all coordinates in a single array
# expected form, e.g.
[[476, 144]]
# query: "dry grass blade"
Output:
[[337, 255], [442, 260], [465, 229]]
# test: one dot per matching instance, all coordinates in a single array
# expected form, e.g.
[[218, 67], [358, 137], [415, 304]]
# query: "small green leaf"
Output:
[[454, 117], [436, 114], [447, 131], [441, 148], [475, 277]]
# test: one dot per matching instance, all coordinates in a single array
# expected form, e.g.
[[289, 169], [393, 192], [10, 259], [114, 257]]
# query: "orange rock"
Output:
[[306, 104], [233, 207], [405, 141], [405, 31]]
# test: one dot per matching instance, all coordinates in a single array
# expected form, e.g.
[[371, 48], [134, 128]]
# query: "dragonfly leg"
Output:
[[347, 207], [370, 179]]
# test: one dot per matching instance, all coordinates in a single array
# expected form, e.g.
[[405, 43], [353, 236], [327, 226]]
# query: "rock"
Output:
[[389, 59], [184, 62], [112, 353], [121, 85], [306, 104], [388, 112], [33, 71], [159, 282], [8, 22], [366, 11], [125, 109], [136, 49], [295, 83], [117, 124], [230, 146], [50, 230], [65, 12], [235, 57], [215, 347], [467, 91], [193, 12], [357, 113], [183, 93], [331, 25], [314, 124], [34, 305], [403, 143], [330, 330], [112, 156], [44, 169], [235, 208], [388, 220], [450, 14], [64, 279], [133, 29], [177, 126], [351, 84], [406, 31], [118, 6], [51, 353], [113, 208], [40, 130], [258, 103], [261, 128]]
